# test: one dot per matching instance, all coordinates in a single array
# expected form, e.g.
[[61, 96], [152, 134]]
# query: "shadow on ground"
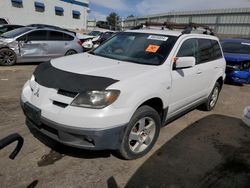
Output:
[[212, 152]]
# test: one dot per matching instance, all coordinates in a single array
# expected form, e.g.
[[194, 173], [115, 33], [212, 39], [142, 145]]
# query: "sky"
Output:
[[101, 8]]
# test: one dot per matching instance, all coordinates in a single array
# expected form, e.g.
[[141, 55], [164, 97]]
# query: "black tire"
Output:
[[7, 57], [149, 134], [212, 100], [70, 52]]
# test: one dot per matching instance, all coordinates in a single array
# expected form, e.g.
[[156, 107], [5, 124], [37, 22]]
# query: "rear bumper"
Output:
[[92, 139]]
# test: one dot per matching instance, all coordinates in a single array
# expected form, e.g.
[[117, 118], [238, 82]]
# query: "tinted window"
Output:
[[216, 50], [67, 37], [55, 35], [205, 50], [189, 49], [37, 35]]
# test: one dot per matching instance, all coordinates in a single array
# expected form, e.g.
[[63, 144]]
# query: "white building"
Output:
[[71, 14]]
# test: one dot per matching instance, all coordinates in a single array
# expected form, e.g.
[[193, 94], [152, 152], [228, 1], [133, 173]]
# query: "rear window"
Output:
[[236, 47]]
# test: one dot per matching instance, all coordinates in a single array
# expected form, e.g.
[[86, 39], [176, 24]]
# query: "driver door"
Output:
[[33, 46]]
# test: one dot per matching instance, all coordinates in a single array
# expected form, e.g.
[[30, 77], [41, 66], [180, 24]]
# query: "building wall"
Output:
[[28, 15], [225, 22]]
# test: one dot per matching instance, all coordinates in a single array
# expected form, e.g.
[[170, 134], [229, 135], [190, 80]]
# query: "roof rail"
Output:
[[187, 28]]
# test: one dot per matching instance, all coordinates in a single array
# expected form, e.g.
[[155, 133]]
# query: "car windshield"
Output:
[[139, 48], [236, 47], [94, 33], [16, 32]]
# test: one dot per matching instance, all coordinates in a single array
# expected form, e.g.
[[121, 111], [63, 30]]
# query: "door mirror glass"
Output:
[[184, 62]]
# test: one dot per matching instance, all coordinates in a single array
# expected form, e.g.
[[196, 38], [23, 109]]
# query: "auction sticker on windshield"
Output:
[[152, 48], [157, 37]]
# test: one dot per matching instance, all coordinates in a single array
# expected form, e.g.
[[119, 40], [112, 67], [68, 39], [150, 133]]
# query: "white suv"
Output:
[[119, 95]]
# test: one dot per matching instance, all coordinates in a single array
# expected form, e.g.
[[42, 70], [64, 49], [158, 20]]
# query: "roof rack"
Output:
[[187, 28]]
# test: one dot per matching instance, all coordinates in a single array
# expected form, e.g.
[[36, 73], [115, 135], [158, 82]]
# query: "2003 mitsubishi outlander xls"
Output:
[[118, 96]]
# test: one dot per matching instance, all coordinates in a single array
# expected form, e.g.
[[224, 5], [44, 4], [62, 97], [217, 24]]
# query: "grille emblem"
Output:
[[36, 93]]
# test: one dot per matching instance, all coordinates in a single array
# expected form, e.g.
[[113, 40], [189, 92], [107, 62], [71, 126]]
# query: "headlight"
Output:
[[32, 82], [95, 99]]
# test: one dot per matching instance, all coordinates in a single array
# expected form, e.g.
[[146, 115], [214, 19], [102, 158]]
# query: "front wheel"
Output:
[[141, 133], [213, 98], [7, 57]]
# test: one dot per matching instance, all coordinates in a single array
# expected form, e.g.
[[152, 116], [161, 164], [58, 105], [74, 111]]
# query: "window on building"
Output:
[[39, 7], [17, 3], [59, 11], [76, 14]]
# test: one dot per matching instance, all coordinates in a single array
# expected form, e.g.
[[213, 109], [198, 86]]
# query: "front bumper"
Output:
[[93, 139]]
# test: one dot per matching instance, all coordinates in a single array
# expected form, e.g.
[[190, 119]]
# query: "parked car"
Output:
[[89, 44], [237, 55], [246, 116], [119, 95], [36, 44], [3, 21], [8, 27]]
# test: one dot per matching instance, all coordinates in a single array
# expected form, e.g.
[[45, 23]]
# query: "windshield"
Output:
[[236, 47], [139, 48], [94, 33], [16, 32]]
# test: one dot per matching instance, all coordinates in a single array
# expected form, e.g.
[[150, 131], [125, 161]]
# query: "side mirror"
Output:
[[184, 62]]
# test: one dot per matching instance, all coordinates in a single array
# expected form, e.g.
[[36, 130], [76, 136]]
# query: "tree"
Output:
[[131, 16], [113, 19]]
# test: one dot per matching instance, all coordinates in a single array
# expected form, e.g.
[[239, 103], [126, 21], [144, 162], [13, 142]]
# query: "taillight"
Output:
[[79, 42]]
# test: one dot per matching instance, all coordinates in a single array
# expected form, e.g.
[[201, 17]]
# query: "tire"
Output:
[[7, 57], [136, 143], [213, 98], [70, 52]]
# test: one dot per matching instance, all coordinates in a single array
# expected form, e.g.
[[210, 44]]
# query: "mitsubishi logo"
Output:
[[36, 93]]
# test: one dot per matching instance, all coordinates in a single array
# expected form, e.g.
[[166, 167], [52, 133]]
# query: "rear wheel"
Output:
[[7, 57], [213, 98], [70, 52], [141, 133]]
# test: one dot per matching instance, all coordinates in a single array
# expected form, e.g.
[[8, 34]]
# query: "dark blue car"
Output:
[[237, 55]]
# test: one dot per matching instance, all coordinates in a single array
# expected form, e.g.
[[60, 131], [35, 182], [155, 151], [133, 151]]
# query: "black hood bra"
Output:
[[48, 76]]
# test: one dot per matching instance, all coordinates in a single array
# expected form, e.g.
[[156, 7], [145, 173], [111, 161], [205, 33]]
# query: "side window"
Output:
[[39, 35], [189, 48], [22, 38], [68, 37], [205, 49], [55, 36], [217, 54]]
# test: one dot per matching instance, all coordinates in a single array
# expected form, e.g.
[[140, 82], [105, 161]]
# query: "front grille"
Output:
[[67, 93]]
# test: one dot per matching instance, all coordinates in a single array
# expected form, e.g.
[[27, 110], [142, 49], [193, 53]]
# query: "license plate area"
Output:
[[33, 113]]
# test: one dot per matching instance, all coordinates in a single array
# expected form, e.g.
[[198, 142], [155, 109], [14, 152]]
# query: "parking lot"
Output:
[[200, 149]]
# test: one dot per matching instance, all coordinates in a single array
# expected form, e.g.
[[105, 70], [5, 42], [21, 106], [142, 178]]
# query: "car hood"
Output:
[[87, 64], [237, 57], [5, 41]]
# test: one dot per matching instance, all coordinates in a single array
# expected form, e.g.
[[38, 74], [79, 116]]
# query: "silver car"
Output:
[[37, 44]]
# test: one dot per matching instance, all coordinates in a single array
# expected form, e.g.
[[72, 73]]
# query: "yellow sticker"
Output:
[[152, 48]]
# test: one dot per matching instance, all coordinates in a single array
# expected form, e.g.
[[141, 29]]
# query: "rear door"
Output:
[[33, 47], [59, 43]]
